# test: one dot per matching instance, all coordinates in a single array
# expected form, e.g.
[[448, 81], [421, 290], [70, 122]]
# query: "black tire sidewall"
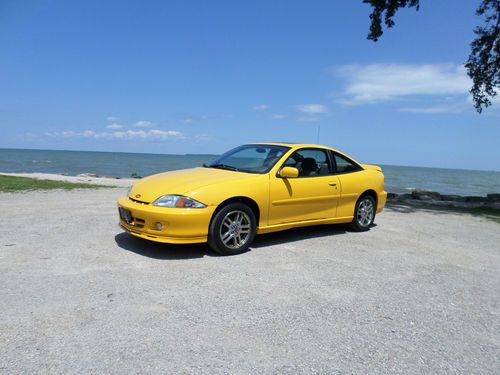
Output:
[[214, 240]]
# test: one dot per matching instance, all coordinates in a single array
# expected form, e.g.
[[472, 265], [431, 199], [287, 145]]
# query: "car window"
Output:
[[344, 165], [250, 158], [310, 162]]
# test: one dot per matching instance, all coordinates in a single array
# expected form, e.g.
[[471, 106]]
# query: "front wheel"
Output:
[[364, 214], [232, 229]]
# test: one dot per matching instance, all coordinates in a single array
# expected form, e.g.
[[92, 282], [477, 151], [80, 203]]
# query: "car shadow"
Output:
[[157, 250], [298, 234], [160, 251]]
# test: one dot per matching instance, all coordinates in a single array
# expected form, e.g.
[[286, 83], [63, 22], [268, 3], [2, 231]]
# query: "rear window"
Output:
[[345, 165]]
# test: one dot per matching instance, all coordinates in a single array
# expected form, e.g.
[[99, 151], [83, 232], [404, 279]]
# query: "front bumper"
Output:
[[179, 225]]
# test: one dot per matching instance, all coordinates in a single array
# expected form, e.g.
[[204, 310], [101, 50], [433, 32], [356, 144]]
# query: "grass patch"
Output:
[[12, 184]]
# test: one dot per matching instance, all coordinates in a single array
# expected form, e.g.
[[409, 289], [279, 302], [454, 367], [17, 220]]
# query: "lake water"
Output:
[[398, 179]]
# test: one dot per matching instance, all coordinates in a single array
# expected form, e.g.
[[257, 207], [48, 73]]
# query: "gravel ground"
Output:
[[417, 294]]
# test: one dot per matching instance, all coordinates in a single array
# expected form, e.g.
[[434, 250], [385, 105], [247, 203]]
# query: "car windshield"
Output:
[[250, 158]]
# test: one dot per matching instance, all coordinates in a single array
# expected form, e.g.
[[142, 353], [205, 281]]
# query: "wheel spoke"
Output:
[[227, 238], [239, 218]]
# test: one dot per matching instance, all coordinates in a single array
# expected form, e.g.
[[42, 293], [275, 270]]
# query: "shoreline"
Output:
[[87, 178], [425, 199], [416, 198]]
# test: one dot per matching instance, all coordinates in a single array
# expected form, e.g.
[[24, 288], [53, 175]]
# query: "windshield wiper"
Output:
[[222, 166]]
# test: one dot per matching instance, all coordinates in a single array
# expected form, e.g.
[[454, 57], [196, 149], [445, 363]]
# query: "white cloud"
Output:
[[194, 118], [312, 109], [149, 134], [152, 134], [382, 82], [451, 108], [64, 134], [113, 119], [261, 107], [114, 126], [143, 124], [450, 105], [309, 119], [278, 117]]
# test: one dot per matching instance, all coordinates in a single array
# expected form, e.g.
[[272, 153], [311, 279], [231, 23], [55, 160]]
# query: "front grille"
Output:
[[139, 223], [137, 201], [126, 217], [136, 222]]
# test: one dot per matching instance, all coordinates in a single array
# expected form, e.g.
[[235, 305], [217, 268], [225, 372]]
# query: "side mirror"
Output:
[[289, 172]]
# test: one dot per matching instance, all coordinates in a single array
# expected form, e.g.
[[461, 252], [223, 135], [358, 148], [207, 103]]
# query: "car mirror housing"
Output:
[[289, 172]]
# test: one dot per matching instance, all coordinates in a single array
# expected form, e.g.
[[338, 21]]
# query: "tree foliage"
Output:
[[387, 9], [483, 64]]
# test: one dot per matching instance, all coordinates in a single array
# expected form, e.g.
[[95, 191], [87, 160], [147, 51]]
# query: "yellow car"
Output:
[[253, 189]]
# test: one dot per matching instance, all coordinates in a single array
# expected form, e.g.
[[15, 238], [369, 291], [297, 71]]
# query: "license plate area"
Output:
[[126, 215]]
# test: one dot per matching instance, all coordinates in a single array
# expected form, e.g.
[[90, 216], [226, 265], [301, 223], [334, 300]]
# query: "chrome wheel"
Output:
[[366, 213], [235, 229]]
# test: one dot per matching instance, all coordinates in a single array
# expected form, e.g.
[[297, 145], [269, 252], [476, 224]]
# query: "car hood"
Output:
[[183, 182]]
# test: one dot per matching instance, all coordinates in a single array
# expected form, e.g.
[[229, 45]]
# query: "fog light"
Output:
[[159, 226]]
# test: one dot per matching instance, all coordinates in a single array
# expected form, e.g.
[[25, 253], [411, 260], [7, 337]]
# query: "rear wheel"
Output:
[[364, 213], [232, 229]]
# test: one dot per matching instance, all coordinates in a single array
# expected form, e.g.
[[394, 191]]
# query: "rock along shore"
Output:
[[432, 198]]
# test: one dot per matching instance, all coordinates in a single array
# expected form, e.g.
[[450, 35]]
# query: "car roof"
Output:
[[295, 146], [292, 144]]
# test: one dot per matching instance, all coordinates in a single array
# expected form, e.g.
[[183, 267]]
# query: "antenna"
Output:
[[317, 138]]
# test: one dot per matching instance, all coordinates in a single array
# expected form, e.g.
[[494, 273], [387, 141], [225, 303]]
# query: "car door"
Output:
[[352, 183], [314, 194]]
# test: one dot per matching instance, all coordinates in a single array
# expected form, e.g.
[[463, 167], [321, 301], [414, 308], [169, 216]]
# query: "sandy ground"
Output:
[[417, 294]]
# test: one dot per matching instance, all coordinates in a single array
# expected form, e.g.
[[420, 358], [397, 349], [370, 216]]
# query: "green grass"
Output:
[[13, 184]]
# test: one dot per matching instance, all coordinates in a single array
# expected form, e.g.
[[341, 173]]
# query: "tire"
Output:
[[232, 229], [364, 214]]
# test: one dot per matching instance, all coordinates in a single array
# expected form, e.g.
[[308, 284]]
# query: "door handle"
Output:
[[332, 184]]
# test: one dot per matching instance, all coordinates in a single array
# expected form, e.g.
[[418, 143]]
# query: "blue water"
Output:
[[398, 179]]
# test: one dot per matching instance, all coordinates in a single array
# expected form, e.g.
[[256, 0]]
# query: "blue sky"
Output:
[[205, 76]]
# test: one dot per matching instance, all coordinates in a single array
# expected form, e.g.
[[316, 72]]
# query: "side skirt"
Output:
[[304, 223]]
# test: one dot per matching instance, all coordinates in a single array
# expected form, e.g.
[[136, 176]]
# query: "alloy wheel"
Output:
[[235, 229], [366, 212]]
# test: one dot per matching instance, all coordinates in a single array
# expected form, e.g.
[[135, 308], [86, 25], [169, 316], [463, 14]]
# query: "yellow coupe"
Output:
[[253, 189]]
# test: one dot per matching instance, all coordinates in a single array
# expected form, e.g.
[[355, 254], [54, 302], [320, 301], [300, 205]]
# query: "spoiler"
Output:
[[370, 166]]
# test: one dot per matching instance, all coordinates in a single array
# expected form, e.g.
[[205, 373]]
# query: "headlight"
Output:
[[177, 201]]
